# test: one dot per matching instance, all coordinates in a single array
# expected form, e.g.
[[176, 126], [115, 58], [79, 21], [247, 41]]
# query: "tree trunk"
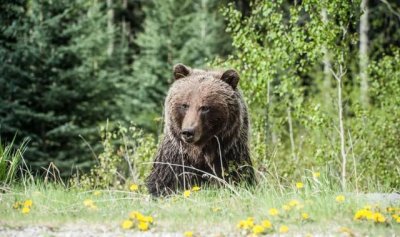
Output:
[[364, 26], [326, 61], [291, 135], [339, 78]]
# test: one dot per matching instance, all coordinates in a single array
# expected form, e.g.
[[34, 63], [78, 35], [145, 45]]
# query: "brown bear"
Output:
[[205, 133]]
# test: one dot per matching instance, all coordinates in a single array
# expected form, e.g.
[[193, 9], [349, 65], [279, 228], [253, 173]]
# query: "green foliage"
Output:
[[126, 158], [376, 130], [280, 52]]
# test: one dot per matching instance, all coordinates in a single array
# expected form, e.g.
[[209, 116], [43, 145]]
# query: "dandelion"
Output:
[[246, 224], [305, 216], [143, 226], [97, 193], [398, 219], [360, 214], [140, 217], [134, 187], [316, 175], [266, 224], [28, 203], [283, 229], [25, 210], [187, 193], [147, 219], [188, 234], [273, 211], [379, 218], [258, 229], [195, 188], [363, 214], [340, 198], [299, 185], [127, 224]]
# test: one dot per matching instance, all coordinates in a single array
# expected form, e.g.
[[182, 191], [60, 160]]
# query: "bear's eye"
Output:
[[204, 109], [184, 106]]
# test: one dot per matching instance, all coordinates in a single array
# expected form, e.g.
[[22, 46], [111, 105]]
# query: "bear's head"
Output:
[[201, 104]]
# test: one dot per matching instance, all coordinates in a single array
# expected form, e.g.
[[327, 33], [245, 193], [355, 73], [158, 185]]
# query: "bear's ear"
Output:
[[181, 71], [231, 77]]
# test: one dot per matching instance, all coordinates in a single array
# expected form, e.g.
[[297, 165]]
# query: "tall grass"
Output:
[[10, 160]]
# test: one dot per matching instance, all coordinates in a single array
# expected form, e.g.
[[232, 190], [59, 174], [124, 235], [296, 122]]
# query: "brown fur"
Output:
[[208, 103]]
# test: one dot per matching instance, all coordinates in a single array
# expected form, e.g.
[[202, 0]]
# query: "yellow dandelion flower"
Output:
[[25, 210], [134, 187], [140, 217], [246, 224], [187, 193], [316, 174], [143, 226], [188, 234], [379, 218], [97, 193], [273, 211], [127, 224], [241, 224], [369, 215], [340, 198], [360, 214], [305, 216], [258, 229], [147, 219], [283, 229], [398, 219], [299, 185], [195, 188], [286, 207], [266, 224], [293, 203], [28, 203]]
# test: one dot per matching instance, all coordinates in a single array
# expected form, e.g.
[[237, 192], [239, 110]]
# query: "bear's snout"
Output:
[[187, 135]]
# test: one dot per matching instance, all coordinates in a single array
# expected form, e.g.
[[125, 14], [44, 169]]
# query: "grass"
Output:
[[10, 159], [207, 211]]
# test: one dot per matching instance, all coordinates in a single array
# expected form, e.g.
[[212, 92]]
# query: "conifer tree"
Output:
[[58, 80]]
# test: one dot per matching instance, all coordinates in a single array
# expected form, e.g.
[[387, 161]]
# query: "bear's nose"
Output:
[[188, 134]]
